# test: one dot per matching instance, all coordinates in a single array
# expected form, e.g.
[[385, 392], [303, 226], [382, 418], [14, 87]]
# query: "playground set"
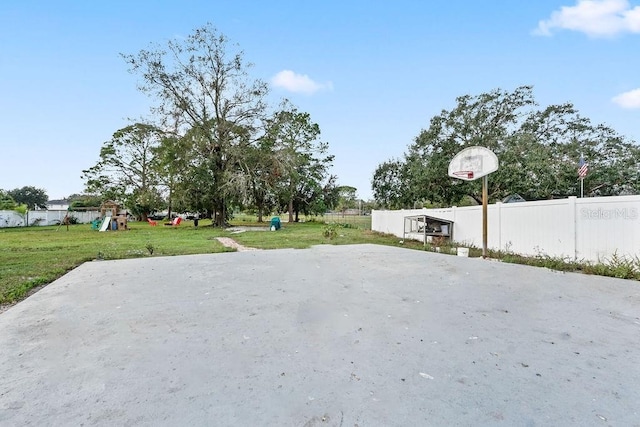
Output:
[[110, 218]]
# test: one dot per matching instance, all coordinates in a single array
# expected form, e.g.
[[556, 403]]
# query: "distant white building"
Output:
[[58, 205]]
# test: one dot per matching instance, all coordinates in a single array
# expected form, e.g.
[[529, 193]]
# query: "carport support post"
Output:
[[485, 196]]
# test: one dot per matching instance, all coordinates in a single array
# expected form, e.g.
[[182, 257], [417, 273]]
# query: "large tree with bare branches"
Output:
[[202, 84]]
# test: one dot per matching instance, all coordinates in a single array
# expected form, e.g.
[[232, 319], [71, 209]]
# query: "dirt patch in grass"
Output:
[[230, 243], [242, 229]]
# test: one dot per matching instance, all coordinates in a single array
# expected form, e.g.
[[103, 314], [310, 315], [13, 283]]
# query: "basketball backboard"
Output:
[[473, 163]]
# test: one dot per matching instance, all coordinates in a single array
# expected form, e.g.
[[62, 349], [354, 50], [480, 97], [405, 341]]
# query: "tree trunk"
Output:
[[221, 219], [260, 207], [291, 210]]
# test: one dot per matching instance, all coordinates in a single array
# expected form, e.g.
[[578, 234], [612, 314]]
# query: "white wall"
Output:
[[14, 219], [591, 229]]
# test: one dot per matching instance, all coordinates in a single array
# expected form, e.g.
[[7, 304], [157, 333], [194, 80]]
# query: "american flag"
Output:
[[583, 167]]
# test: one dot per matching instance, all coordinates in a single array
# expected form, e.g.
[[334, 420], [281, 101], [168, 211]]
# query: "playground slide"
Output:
[[105, 223]]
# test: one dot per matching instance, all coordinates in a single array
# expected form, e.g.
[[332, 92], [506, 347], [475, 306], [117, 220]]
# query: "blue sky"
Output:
[[371, 73]]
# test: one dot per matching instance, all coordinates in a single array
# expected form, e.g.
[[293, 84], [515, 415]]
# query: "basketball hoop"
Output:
[[473, 163], [463, 174], [470, 164]]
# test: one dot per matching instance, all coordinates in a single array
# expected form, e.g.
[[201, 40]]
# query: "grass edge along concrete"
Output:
[[33, 257]]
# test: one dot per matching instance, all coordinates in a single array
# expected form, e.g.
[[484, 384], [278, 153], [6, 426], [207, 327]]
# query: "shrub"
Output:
[[329, 231]]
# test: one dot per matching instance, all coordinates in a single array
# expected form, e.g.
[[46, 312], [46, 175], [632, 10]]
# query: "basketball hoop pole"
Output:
[[470, 164], [485, 196]]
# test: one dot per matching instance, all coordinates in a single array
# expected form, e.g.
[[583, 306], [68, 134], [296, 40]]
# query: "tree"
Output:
[[31, 196], [538, 150], [9, 204], [300, 161], [6, 201], [487, 120], [173, 160], [84, 201], [347, 198], [391, 185], [369, 205], [315, 197], [261, 169], [330, 196], [127, 169], [614, 165], [203, 83]]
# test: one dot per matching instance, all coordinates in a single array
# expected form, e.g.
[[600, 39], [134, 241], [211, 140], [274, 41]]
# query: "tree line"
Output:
[[23, 199], [538, 150], [214, 143]]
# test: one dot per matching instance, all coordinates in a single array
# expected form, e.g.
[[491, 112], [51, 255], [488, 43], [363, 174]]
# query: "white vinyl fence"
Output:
[[14, 219], [590, 229]]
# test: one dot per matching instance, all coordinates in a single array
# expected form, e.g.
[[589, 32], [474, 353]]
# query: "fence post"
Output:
[[573, 245], [499, 212], [453, 226]]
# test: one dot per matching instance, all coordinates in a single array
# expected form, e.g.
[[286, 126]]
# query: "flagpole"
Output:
[[582, 172]]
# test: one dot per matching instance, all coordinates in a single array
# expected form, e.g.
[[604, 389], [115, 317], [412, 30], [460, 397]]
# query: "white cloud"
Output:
[[298, 83], [596, 18], [629, 99]]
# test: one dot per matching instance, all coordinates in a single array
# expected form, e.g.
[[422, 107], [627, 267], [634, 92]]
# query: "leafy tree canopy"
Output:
[[538, 150], [6, 201], [215, 145], [31, 196], [127, 169], [84, 201], [202, 86], [347, 197], [301, 162]]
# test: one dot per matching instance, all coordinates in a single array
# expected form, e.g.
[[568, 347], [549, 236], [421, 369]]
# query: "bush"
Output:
[[329, 231]]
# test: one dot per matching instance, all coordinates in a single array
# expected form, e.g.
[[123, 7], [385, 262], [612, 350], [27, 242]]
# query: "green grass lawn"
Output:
[[37, 255], [305, 234], [33, 256], [357, 221]]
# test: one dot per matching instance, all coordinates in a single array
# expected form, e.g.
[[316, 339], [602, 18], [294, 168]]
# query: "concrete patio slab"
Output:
[[333, 336]]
